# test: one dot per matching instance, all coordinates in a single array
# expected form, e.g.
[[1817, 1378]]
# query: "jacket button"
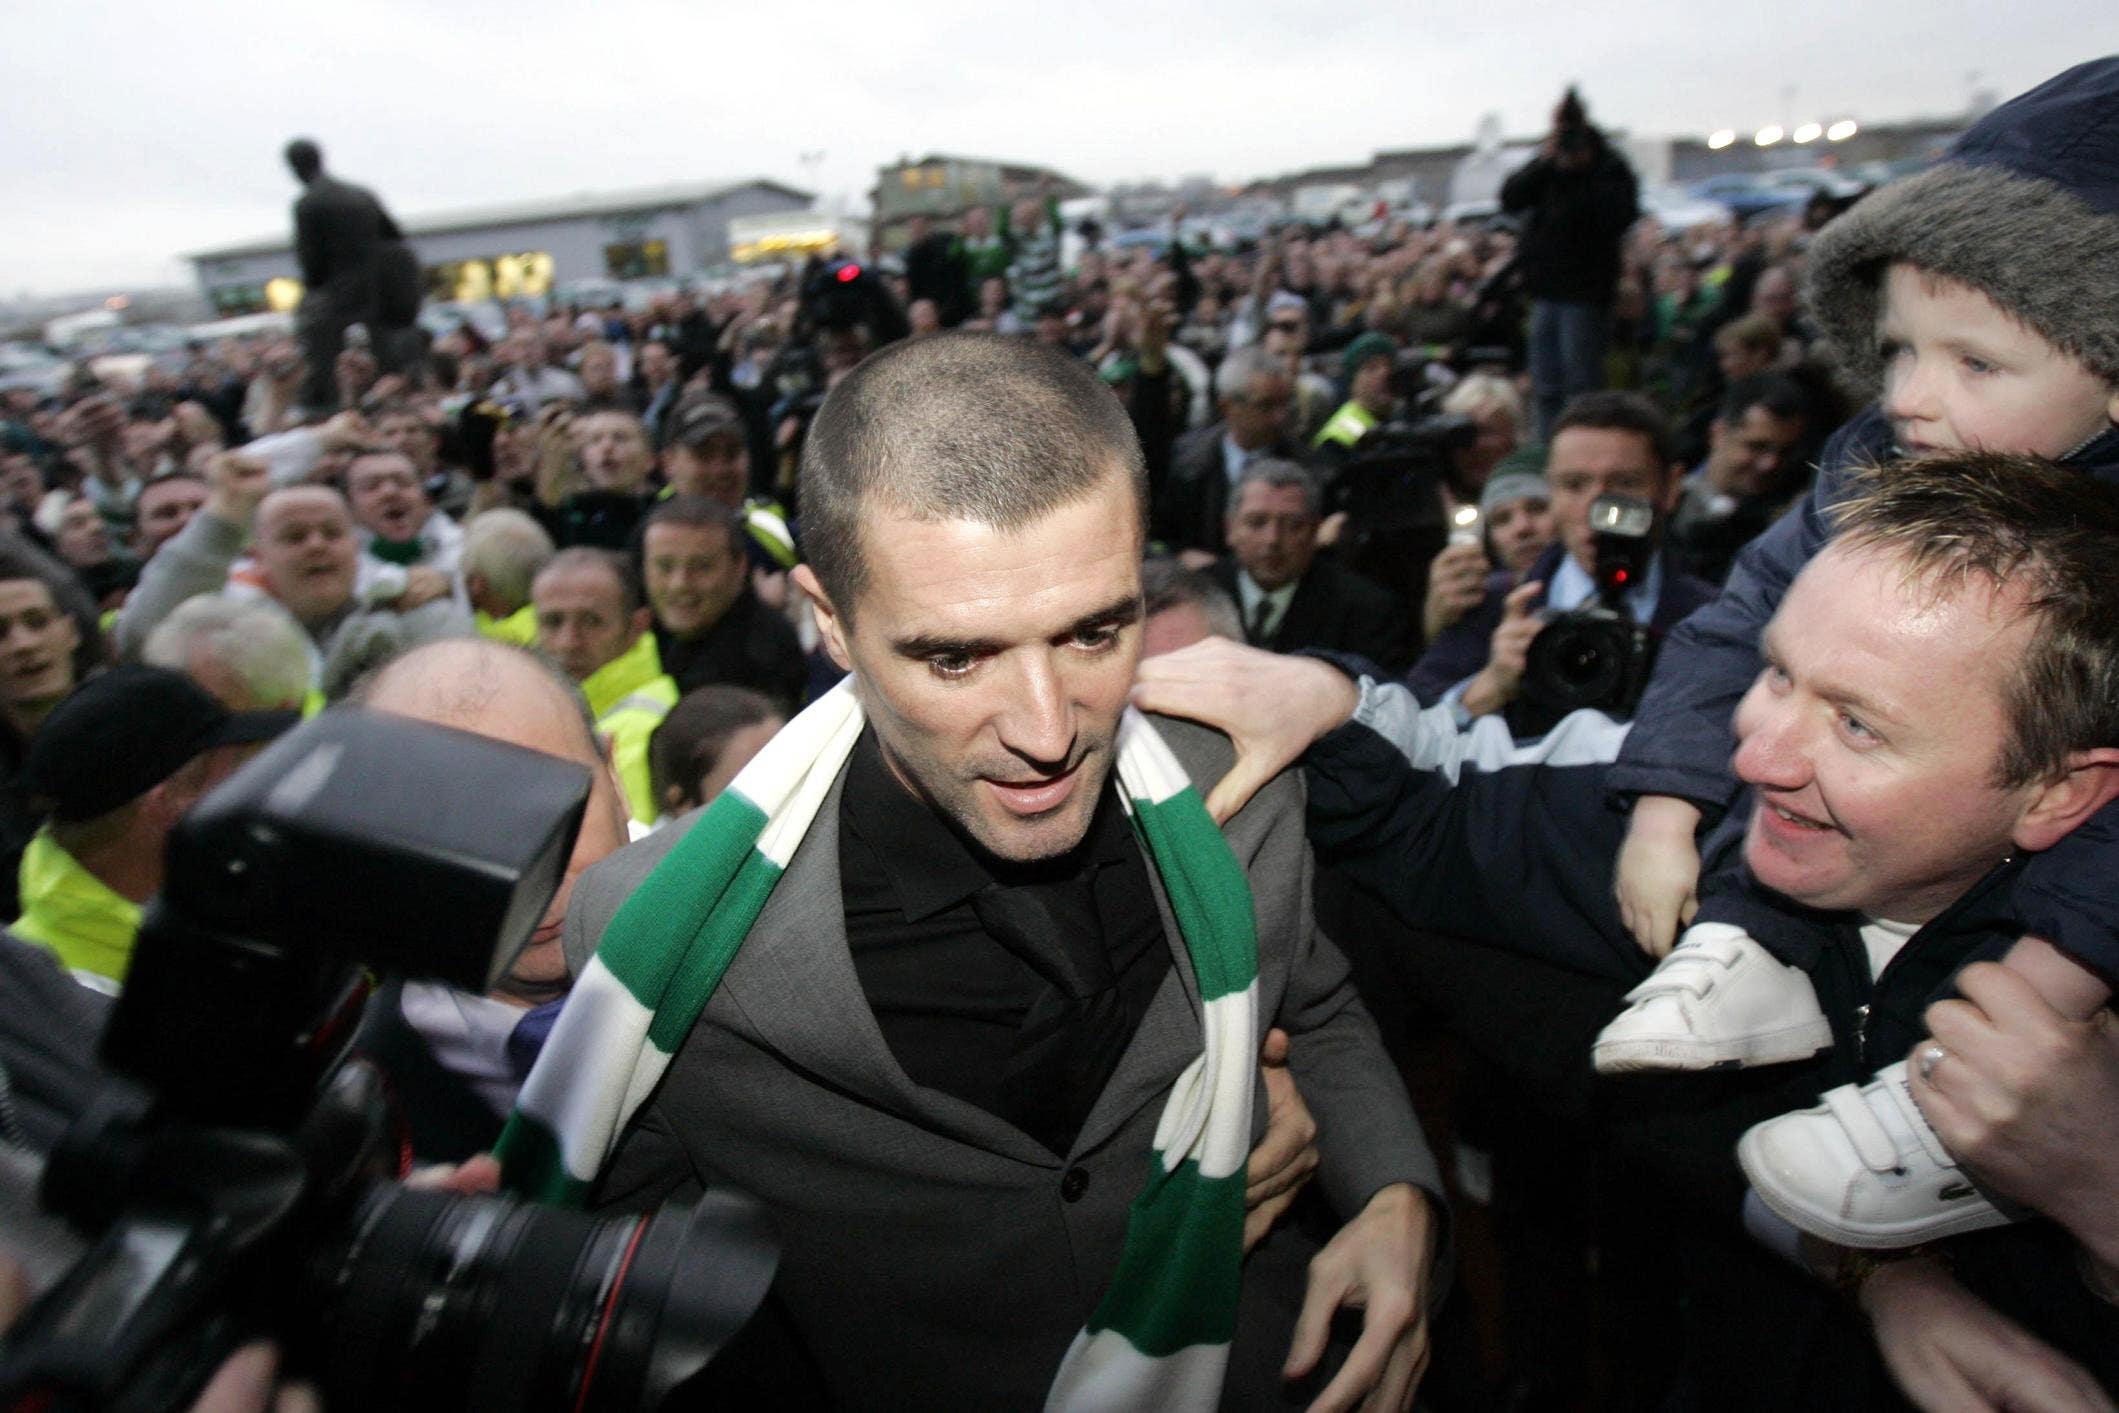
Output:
[[1074, 1184]]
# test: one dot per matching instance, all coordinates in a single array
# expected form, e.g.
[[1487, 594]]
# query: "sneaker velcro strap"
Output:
[[1894, 1080], [1873, 1143]]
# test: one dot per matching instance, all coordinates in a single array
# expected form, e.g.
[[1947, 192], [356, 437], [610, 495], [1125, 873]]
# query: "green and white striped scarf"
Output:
[[1160, 1336]]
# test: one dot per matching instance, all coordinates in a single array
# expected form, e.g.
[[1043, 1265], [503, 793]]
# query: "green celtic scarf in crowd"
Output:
[[1160, 1336]]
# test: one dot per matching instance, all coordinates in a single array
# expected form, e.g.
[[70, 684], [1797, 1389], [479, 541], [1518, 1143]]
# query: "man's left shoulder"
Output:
[[1684, 593], [1206, 755]]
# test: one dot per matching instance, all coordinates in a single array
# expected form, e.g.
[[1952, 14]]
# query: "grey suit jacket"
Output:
[[935, 1256]]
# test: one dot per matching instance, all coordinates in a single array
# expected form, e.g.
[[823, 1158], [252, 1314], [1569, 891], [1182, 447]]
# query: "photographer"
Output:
[[1577, 198], [1606, 444]]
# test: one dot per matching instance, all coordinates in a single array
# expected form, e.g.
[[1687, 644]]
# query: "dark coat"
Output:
[[1333, 609], [1192, 503], [1573, 225], [1520, 858], [1685, 741], [751, 646], [339, 235], [934, 1256]]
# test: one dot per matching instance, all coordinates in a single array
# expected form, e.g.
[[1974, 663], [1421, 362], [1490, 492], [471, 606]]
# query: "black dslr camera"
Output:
[[1596, 656], [253, 1195]]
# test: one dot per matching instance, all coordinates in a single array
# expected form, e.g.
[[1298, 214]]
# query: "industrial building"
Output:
[[528, 248]]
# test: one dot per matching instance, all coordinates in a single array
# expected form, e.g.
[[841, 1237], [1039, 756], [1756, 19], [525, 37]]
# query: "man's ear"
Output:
[[2089, 784], [830, 625], [643, 621]]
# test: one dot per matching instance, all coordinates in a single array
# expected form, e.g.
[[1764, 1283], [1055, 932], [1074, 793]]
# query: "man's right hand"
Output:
[[347, 431], [1495, 685], [1272, 707], [1951, 1352], [1659, 872], [1456, 581], [423, 585], [235, 483], [1286, 1156]]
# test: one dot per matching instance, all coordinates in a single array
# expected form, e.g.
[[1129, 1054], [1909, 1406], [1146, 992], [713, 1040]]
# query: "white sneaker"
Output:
[[1863, 1169], [1718, 1001]]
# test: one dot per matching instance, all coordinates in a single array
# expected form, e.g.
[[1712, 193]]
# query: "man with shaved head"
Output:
[[458, 1058], [981, 970], [306, 557]]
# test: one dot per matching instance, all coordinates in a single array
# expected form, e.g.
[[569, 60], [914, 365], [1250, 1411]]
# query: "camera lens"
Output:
[[1580, 660], [437, 1300]]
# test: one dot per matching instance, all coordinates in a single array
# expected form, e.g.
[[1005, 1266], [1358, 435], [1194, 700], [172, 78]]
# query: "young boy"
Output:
[[1976, 296]]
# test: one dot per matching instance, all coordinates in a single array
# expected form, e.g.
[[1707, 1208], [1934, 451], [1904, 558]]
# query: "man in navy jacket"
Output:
[[1606, 444]]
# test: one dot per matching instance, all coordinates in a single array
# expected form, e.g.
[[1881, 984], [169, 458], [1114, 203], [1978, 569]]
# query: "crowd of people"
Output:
[[1698, 645]]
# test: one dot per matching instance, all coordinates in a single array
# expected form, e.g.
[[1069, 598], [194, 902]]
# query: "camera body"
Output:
[[1392, 495], [1597, 656], [252, 1193], [842, 295]]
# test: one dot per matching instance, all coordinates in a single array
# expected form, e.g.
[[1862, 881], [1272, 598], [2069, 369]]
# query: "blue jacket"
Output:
[[1514, 848]]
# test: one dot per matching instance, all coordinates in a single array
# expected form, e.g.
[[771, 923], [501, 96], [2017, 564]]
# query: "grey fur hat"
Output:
[[2025, 209]]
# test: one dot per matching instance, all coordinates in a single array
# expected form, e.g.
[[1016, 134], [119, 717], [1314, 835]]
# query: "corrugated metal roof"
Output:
[[564, 208]]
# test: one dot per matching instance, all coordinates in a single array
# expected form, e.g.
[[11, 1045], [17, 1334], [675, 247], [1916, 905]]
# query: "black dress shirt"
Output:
[[1013, 987]]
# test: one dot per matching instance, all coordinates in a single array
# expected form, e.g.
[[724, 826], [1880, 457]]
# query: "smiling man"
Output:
[[710, 627], [958, 1038], [1935, 708], [307, 556]]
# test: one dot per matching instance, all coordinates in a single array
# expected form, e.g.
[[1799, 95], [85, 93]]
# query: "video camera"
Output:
[[252, 1196], [841, 295], [1392, 495], [1596, 656]]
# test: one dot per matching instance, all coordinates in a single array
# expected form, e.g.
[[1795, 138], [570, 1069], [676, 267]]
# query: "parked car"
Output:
[[1677, 210], [24, 365], [1748, 194], [1809, 181]]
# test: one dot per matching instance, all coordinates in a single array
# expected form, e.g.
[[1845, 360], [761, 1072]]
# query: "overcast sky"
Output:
[[136, 132]]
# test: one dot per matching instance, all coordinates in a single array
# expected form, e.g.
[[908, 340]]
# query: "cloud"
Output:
[[136, 134]]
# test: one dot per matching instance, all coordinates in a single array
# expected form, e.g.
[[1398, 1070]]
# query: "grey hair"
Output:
[[507, 548], [1479, 393], [1167, 584], [1270, 471], [255, 639], [1234, 375]]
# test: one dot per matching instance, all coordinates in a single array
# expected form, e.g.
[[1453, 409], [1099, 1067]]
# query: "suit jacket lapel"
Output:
[[1298, 622], [795, 980]]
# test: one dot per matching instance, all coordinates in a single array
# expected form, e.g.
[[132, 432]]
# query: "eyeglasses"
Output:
[[1286, 326]]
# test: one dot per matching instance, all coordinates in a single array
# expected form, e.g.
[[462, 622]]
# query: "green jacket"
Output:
[[71, 913]]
